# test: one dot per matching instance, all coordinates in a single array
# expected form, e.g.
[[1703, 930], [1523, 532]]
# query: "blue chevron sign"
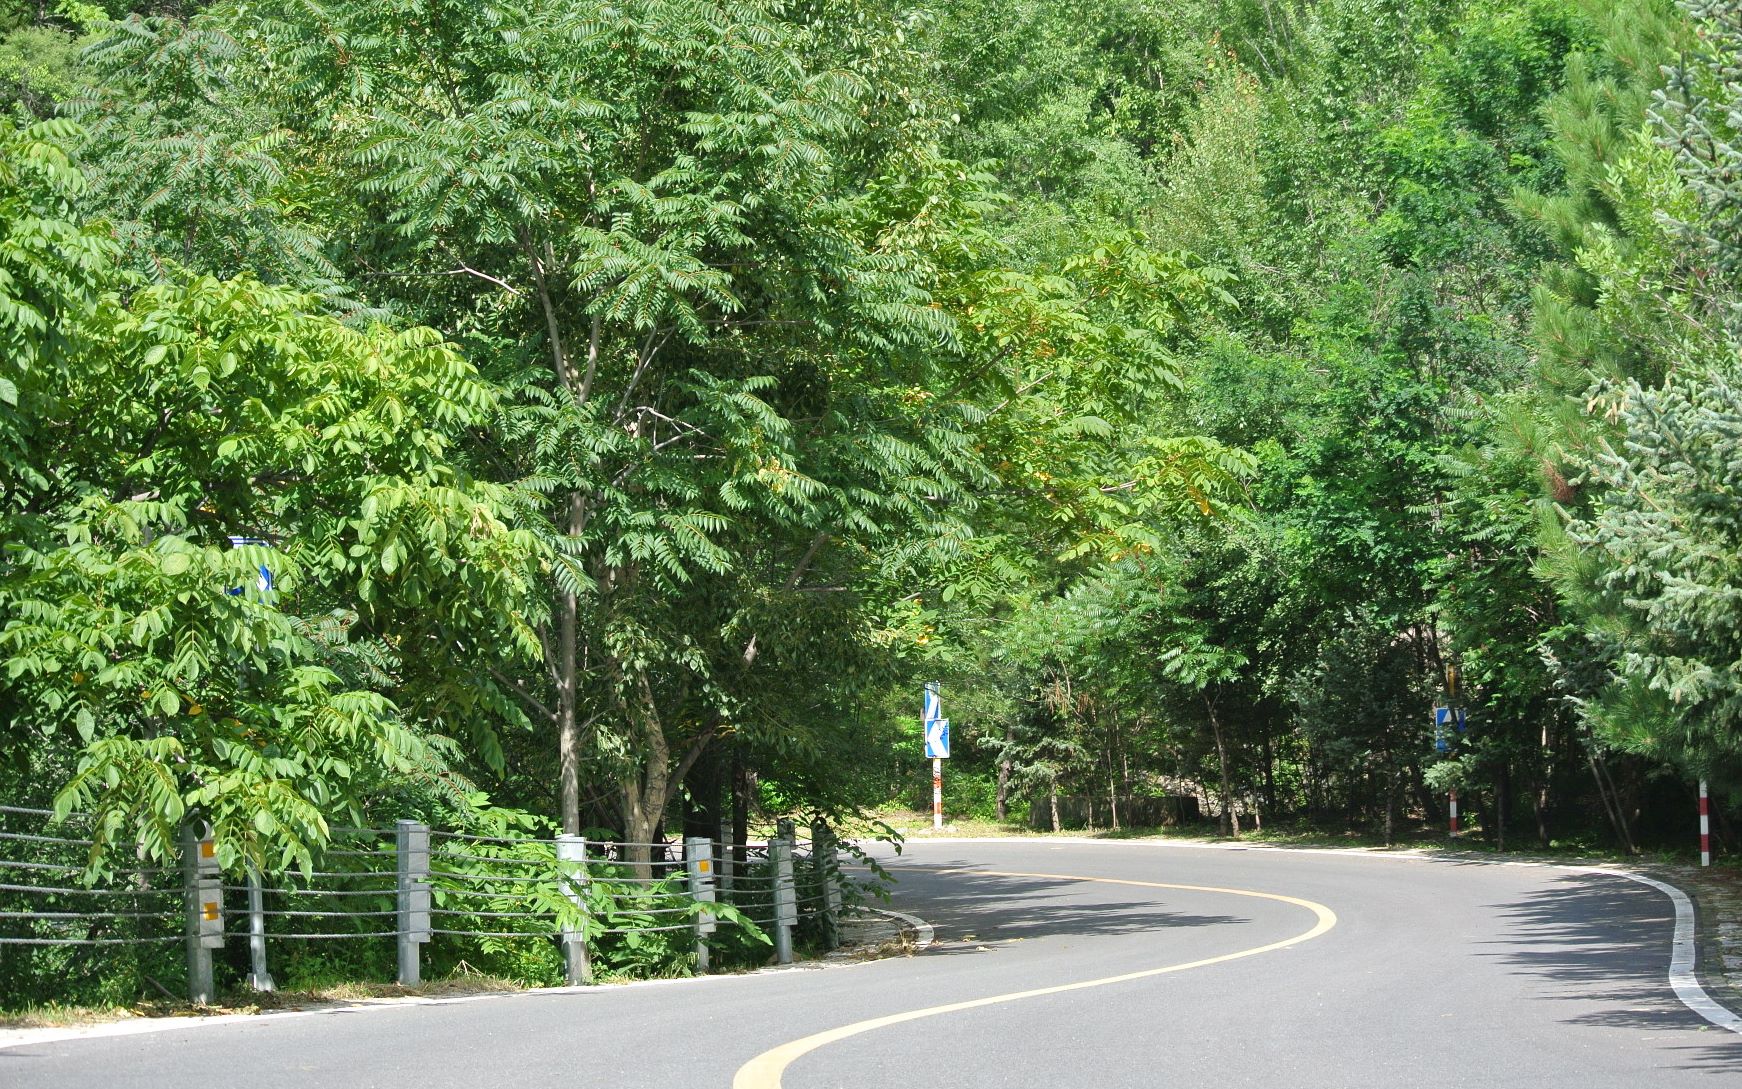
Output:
[[937, 739], [265, 582], [937, 728]]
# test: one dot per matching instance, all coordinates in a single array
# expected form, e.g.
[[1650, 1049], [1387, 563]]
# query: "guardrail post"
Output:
[[785, 899], [571, 856], [411, 851], [258, 978], [699, 861], [203, 892], [827, 861]]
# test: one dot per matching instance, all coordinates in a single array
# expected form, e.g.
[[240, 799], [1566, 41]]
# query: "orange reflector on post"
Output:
[[207, 849], [211, 909], [703, 865]]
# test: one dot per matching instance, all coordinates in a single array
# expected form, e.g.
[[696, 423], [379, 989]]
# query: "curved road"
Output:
[[1224, 967]]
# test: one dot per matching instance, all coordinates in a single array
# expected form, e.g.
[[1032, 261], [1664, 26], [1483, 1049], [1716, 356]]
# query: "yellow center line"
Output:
[[765, 1070]]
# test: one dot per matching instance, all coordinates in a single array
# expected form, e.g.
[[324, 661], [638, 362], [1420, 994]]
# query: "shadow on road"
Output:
[[986, 907], [1603, 941]]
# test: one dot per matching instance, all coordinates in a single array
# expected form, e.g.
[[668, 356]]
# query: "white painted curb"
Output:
[[923, 934]]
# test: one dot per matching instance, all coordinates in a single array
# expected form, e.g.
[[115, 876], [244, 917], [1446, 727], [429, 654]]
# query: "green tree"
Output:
[[1665, 546], [149, 434]]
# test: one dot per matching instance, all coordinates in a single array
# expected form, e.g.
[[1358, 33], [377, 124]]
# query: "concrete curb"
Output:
[[923, 933]]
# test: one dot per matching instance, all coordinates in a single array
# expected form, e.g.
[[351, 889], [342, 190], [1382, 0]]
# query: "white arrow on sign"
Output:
[[937, 739]]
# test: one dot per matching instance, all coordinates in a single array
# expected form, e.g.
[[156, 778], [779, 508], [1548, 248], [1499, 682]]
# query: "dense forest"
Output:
[[616, 412]]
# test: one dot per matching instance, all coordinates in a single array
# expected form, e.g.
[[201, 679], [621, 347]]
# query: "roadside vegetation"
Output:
[[604, 418]]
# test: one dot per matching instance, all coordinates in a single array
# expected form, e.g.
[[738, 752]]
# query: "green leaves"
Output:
[[1668, 537], [49, 273], [205, 432]]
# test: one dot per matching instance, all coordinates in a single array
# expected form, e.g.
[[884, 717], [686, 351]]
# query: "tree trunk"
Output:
[[1113, 799], [644, 792], [1003, 800], [1502, 786], [1542, 779], [1390, 804], [1611, 809], [1620, 806], [1425, 799], [743, 790], [639, 819], [1269, 772], [1053, 796], [567, 669], [1230, 820]]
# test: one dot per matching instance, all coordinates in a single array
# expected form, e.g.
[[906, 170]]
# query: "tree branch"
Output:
[[792, 582], [697, 747], [520, 690], [553, 327], [586, 390], [466, 270]]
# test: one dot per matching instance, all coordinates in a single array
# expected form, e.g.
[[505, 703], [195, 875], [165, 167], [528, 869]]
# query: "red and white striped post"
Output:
[[937, 746], [1454, 812], [1705, 826], [937, 794]]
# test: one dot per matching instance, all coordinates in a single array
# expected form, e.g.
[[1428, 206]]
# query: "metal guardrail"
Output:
[[45, 902], [414, 886]]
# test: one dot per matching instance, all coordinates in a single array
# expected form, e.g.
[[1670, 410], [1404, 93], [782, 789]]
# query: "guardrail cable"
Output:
[[635, 888]]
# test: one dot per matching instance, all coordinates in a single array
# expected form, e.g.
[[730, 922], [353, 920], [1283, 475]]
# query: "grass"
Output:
[[1409, 837], [462, 982]]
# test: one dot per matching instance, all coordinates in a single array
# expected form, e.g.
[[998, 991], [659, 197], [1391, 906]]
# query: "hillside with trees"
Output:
[[606, 417]]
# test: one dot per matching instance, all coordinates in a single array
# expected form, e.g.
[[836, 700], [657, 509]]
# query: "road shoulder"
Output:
[[869, 935]]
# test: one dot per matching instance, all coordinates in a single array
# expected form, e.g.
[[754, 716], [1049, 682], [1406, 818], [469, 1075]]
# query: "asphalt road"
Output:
[[1433, 975]]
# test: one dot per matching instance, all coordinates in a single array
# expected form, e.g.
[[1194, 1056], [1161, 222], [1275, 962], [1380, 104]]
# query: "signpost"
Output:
[[1705, 826], [937, 746], [1442, 731], [1447, 719]]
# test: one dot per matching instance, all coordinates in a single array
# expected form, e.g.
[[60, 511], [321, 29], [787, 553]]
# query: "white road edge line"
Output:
[[924, 936], [1683, 953], [1681, 962], [1682, 978]]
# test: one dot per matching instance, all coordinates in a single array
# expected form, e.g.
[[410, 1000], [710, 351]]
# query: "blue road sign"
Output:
[[264, 582], [1442, 725], [1463, 724], [937, 728], [937, 739]]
